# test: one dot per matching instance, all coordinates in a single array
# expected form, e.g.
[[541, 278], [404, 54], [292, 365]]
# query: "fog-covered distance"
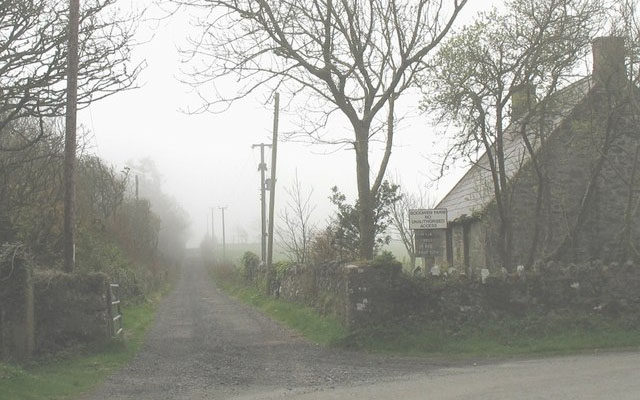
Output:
[[206, 160]]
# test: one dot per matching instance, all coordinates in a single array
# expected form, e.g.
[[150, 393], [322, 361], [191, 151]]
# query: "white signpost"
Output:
[[428, 218]]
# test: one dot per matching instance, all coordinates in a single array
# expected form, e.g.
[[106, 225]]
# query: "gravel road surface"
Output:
[[205, 345]]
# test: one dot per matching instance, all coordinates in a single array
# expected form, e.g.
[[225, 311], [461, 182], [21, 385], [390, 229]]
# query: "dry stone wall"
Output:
[[364, 297], [16, 304], [47, 311], [70, 309], [321, 286]]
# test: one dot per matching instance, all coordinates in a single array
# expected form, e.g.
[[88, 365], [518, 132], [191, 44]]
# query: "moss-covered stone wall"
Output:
[[70, 309], [369, 296], [16, 304], [45, 311]]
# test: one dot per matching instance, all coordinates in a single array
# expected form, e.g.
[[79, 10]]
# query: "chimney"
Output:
[[523, 98], [608, 62]]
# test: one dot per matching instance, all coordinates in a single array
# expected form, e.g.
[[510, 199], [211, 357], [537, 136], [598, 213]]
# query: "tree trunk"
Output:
[[70, 138], [503, 193], [365, 197]]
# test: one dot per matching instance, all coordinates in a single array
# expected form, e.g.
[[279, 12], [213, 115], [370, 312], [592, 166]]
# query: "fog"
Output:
[[207, 161]]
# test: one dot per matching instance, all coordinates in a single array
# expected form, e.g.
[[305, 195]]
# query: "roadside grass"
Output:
[[530, 336], [546, 335], [319, 329], [67, 376]]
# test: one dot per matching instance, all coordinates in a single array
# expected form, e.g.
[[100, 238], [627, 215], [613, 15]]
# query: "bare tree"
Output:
[[297, 230], [33, 56], [30, 186], [103, 189], [352, 56], [533, 47], [625, 22]]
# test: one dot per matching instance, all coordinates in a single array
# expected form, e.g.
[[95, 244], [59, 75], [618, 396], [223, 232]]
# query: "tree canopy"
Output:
[[355, 57], [33, 56]]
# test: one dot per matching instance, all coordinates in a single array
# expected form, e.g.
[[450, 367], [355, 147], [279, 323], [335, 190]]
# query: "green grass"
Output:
[[531, 336], [66, 378], [305, 320], [235, 251]]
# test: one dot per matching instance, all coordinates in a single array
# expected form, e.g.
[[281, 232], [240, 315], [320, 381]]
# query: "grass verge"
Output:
[[317, 328], [65, 378], [543, 335], [510, 337]]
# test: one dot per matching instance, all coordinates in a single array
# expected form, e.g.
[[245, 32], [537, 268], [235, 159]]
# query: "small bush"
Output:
[[281, 268], [386, 259], [250, 258], [250, 263]]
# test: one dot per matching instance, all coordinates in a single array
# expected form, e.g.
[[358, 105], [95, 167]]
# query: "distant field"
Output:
[[236, 250]]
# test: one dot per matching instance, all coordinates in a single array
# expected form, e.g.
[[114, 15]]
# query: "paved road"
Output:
[[603, 377], [205, 345]]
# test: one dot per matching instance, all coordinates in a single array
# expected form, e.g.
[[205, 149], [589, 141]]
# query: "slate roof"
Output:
[[474, 191]]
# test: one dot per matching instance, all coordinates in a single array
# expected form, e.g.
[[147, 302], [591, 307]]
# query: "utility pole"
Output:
[[137, 186], [207, 224], [224, 243], [69, 236], [262, 168], [272, 186], [212, 226]]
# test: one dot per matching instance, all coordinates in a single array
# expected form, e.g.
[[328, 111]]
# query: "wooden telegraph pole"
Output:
[[263, 232], [267, 257], [212, 227], [224, 240], [272, 186], [69, 244], [207, 225]]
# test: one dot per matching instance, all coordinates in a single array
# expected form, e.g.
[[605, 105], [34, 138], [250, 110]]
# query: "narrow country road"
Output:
[[205, 345]]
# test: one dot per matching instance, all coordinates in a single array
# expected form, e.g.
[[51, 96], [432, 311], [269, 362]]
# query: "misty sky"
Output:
[[207, 160]]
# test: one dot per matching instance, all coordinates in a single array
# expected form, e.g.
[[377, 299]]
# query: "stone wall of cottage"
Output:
[[568, 159]]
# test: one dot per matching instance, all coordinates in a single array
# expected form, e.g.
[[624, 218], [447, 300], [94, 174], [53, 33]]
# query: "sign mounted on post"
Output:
[[430, 242], [428, 218]]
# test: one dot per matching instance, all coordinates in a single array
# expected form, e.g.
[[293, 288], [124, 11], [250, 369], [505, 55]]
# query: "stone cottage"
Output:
[[586, 142]]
